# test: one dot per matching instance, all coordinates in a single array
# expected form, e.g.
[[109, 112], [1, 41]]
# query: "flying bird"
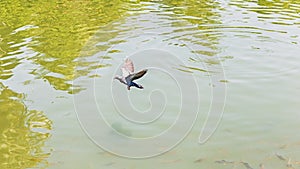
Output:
[[128, 75]]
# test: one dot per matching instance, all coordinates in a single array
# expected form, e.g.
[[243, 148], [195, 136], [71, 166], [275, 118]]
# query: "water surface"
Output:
[[53, 52]]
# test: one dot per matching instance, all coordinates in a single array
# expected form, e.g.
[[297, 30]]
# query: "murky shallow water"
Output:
[[56, 54]]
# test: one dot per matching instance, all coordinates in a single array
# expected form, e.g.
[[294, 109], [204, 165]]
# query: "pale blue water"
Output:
[[242, 55]]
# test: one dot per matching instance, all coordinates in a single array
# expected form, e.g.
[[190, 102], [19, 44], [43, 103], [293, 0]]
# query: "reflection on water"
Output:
[[23, 132], [57, 33], [180, 24], [276, 12], [58, 42], [199, 14]]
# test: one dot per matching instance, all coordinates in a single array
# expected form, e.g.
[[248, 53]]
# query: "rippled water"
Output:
[[55, 54]]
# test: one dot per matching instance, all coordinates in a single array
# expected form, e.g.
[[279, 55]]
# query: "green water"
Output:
[[58, 58]]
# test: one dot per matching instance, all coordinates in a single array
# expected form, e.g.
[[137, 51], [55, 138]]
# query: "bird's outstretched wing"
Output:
[[120, 79], [127, 68], [137, 75]]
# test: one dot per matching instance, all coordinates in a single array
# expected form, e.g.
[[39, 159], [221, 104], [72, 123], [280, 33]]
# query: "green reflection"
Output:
[[204, 38], [64, 33], [56, 33], [201, 13], [23, 132], [197, 12], [288, 10], [60, 30], [7, 63]]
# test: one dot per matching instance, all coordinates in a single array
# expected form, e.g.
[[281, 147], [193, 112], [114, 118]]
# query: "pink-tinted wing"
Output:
[[125, 72], [129, 65], [127, 68]]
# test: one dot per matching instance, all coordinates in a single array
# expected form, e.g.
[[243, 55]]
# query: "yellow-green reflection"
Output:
[[205, 37], [7, 63], [60, 30], [23, 132], [203, 14], [287, 11], [188, 21]]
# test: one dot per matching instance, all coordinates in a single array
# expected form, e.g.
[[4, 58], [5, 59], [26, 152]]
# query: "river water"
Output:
[[221, 90]]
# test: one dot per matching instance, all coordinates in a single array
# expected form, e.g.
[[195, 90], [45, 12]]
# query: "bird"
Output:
[[128, 75]]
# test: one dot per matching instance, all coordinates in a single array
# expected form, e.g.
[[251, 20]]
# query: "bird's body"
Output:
[[128, 75]]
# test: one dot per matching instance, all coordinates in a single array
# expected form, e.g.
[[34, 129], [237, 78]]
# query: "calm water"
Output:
[[57, 62]]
